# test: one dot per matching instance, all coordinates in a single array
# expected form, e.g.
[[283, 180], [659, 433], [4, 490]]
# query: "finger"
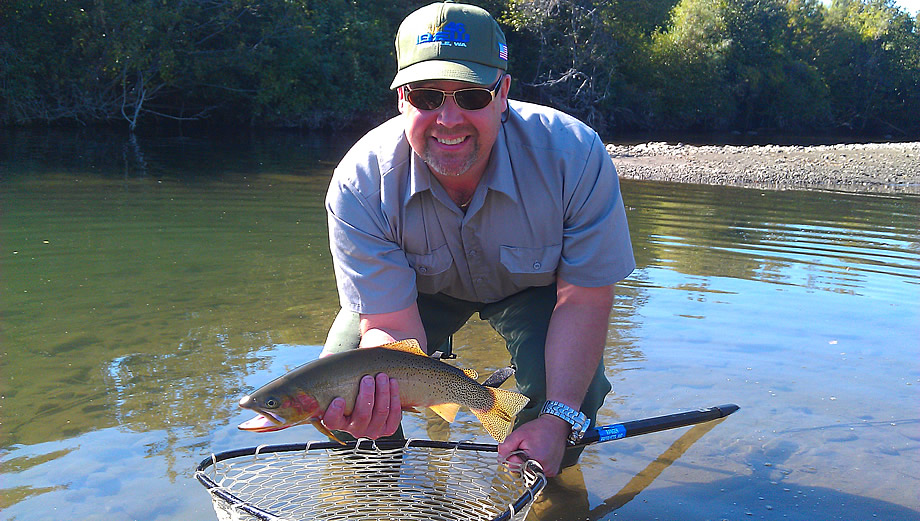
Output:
[[511, 444], [334, 417], [511, 450], [516, 459], [364, 407], [395, 416], [381, 411]]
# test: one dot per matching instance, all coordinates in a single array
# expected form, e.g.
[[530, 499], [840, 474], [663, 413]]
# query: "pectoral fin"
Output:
[[448, 411], [322, 428]]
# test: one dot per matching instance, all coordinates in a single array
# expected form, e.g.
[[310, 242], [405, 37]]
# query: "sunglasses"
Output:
[[476, 98]]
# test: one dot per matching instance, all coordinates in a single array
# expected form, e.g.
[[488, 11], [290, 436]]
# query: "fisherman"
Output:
[[469, 202]]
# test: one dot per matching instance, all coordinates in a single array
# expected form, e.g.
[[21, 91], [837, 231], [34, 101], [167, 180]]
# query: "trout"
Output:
[[303, 394]]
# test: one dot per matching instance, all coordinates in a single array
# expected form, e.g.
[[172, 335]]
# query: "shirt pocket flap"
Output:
[[428, 264], [517, 259]]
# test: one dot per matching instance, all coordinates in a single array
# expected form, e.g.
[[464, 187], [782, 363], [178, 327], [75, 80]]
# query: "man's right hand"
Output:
[[377, 412]]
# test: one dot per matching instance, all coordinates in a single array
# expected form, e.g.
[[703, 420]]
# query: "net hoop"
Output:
[[365, 479]]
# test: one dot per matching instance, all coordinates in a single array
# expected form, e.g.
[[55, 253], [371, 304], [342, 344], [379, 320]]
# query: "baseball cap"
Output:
[[449, 41]]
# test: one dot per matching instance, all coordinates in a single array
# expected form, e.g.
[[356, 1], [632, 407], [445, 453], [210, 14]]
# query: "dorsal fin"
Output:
[[409, 346]]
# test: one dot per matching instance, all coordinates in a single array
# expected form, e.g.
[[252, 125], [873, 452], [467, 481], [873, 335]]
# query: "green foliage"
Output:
[[871, 65], [259, 62], [684, 64]]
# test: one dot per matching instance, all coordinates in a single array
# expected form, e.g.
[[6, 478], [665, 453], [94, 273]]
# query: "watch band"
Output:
[[576, 419]]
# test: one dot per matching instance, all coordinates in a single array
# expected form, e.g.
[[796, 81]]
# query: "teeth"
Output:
[[454, 141]]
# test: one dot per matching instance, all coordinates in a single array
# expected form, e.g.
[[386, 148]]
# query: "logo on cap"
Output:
[[450, 33]]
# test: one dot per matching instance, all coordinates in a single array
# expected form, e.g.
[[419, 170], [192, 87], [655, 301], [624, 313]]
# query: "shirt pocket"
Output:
[[530, 267], [432, 270]]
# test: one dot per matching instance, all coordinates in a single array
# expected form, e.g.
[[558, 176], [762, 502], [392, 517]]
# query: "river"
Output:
[[149, 283]]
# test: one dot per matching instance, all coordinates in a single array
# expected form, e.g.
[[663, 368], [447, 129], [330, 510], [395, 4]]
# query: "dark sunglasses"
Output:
[[476, 98]]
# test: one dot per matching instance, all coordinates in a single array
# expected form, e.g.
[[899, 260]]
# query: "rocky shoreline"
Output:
[[870, 167]]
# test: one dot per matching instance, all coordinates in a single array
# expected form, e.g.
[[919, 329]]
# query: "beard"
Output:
[[451, 165]]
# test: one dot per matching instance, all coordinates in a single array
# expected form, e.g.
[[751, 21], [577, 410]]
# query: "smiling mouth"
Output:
[[451, 141]]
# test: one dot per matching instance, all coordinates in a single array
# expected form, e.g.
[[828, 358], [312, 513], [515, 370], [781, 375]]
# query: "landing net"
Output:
[[383, 480]]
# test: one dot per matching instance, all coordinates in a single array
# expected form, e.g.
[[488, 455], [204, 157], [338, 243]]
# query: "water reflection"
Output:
[[176, 283], [147, 284]]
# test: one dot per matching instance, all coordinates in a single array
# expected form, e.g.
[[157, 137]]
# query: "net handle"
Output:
[[629, 429]]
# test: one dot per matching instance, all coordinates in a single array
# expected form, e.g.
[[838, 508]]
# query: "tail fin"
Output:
[[498, 420]]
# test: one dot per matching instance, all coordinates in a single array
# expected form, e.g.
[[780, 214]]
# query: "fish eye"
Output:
[[271, 403]]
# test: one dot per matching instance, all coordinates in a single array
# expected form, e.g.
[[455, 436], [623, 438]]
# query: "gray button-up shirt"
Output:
[[548, 206]]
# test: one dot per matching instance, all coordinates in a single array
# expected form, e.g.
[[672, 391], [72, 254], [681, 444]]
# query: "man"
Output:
[[469, 202]]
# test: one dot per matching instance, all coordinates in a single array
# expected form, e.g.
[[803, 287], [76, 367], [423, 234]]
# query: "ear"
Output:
[[503, 91]]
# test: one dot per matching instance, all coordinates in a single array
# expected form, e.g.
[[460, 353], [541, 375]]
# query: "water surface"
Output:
[[147, 284]]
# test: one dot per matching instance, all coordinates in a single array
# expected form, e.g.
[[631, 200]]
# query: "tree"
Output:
[[687, 63], [567, 56], [871, 62]]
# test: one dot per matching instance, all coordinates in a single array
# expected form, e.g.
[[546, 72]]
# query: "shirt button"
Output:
[[423, 269], [473, 253], [537, 265]]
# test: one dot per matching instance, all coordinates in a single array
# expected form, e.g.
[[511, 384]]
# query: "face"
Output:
[[451, 140]]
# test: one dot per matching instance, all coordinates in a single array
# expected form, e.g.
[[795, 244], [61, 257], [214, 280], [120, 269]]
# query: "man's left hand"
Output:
[[542, 439]]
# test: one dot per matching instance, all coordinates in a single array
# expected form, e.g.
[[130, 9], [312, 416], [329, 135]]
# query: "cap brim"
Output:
[[446, 70]]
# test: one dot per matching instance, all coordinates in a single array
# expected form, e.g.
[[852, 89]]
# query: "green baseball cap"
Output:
[[449, 41]]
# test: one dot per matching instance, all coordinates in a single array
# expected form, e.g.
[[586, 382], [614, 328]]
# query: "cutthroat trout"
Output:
[[303, 394]]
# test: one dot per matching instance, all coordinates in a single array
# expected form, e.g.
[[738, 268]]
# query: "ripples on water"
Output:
[[148, 284]]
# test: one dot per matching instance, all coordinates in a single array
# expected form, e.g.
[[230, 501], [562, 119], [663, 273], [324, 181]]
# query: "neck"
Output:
[[460, 188]]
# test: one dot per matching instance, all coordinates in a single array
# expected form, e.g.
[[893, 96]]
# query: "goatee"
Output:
[[451, 166]]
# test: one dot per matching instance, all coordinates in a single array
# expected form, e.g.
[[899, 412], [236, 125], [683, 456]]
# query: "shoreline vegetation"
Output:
[[884, 168], [780, 66]]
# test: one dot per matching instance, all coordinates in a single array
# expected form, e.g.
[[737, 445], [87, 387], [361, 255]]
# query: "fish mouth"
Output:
[[264, 422], [272, 417], [267, 421]]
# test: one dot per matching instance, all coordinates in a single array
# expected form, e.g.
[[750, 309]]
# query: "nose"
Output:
[[246, 402], [449, 114]]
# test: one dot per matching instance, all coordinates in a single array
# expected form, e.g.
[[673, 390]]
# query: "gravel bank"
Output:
[[872, 167]]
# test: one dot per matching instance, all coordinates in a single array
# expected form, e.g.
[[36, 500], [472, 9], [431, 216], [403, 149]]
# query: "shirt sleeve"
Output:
[[596, 247], [371, 270]]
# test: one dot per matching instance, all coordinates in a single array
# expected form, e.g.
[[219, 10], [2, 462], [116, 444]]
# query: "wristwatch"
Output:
[[576, 419]]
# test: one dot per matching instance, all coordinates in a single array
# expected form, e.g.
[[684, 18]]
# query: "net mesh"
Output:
[[367, 481]]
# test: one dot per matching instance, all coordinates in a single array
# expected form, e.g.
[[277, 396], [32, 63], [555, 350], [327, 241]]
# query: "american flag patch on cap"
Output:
[[503, 51]]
